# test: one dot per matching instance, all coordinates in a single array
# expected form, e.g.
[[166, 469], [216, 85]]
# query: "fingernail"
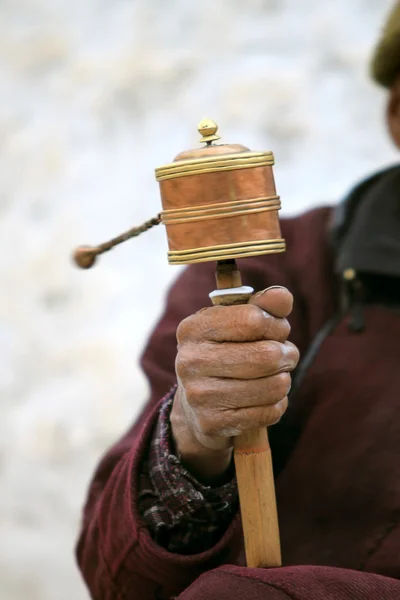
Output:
[[272, 287]]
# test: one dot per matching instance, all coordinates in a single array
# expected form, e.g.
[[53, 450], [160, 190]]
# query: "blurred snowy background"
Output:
[[94, 95]]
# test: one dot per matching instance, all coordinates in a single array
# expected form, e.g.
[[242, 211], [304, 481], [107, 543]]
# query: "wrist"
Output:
[[209, 466]]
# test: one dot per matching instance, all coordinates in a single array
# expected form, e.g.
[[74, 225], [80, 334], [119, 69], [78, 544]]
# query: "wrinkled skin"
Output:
[[233, 368]]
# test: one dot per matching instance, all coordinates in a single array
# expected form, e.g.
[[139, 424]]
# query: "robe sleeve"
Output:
[[291, 583]]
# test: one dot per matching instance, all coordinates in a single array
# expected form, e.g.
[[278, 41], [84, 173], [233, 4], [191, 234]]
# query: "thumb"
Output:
[[275, 300]]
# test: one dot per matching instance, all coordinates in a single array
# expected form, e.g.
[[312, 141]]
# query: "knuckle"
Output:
[[296, 354], [278, 410], [292, 353], [183, 329], [282, 383], [180, 367], [195, 392], [183, 363], [285, 328], [207, 320], [273, 353], [254, 319], [276, 328], [195, 359], [272, 414], [287, 325]]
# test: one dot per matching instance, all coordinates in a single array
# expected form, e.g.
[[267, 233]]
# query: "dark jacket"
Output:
[[336, 451]]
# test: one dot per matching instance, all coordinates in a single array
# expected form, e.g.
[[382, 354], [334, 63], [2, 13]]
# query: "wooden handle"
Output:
[[253, 460], [255, 480]]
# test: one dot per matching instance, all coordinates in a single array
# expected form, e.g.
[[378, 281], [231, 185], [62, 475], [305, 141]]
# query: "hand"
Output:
[[233, 369]]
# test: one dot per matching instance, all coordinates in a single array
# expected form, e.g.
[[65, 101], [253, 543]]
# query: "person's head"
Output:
[[385, 70]]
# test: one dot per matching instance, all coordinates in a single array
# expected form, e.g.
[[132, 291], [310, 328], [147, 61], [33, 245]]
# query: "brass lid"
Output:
[[212, 157]]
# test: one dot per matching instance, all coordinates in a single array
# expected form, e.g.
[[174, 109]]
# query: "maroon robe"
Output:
[[338, 488]]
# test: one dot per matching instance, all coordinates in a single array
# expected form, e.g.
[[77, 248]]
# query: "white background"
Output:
[[94, 95]]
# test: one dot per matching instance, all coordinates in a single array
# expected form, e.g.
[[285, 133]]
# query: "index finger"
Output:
[[239, 323]]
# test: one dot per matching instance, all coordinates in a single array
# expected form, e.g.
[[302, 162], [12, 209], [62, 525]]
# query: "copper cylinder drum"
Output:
[[220, 207]]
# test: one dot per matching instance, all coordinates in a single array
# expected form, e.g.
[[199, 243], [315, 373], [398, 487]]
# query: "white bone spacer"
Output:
[[243, 289]]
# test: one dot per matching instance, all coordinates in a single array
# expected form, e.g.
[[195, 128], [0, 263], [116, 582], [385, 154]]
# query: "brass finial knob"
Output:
[[208, 130]]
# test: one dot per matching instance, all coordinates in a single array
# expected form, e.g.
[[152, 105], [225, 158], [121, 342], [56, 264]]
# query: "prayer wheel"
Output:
[[219, 202]]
